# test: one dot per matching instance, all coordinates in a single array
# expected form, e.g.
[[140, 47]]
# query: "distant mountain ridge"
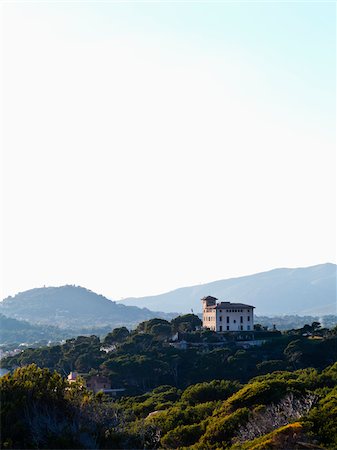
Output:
[[303, 291], [72, 307]]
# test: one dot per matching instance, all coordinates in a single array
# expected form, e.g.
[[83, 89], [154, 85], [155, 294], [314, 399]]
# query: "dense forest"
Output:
[[211, 393], [145, 358], [20, 333], [281, 410]]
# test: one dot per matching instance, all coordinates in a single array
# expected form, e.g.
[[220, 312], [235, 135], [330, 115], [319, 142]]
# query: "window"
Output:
[[227, 328], [234, 321], [241, 319], [220, 318], [248, 327], [220, 328], [241, 327], [248, 318], [227, 319]]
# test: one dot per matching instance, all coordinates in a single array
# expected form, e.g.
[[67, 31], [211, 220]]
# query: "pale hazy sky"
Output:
[[153, 145]]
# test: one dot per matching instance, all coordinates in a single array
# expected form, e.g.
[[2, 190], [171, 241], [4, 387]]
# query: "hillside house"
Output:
[[226, 316], [72, 377], [96, 383]]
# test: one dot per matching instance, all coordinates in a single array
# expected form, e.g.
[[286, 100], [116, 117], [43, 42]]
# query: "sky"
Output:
[[153, 145]]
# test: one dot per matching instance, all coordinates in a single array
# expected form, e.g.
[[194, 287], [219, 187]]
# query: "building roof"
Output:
[[98, 379], [223, 305], [72, 376]]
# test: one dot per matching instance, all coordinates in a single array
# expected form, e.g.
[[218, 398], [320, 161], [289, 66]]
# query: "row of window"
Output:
[[227, 319], [234, 310], [212, 318], [227, 328]]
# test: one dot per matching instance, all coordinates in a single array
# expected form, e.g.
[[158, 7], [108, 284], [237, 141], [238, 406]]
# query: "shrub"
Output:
[[208, 392]]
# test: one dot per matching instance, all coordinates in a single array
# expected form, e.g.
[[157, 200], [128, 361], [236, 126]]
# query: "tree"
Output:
[[116, 336], [315, 326], [147, 326], [40, 409], [207, 392], [161, 330], [187, 322]]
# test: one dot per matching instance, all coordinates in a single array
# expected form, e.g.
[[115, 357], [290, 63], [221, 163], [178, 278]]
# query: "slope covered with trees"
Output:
[[15, 332], [282, 410], [145, 358], [210, 395]]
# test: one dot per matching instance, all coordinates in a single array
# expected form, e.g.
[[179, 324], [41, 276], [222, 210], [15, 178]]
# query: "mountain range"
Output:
[[303, 291], [309, 291]]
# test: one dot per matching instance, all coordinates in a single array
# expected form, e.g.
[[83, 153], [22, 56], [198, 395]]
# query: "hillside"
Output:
[[14, 332], [72, 306], [302, 291], [19, 331], [282, 410], [216, 394]]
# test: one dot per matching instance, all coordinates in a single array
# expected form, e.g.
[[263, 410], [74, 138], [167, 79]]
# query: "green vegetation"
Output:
[[279, 410], [143, 359], [212, 395], [39, 409], [15, 332]]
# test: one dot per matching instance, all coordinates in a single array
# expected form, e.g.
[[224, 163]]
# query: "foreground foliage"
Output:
[[280, 410]]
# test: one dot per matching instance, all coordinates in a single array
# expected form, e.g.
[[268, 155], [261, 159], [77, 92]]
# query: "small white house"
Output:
[[226, 316]]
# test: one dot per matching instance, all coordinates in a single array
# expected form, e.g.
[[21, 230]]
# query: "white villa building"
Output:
[[226, 316]]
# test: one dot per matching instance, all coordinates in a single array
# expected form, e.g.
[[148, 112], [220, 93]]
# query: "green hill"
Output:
[[72, 307], [279, 410]]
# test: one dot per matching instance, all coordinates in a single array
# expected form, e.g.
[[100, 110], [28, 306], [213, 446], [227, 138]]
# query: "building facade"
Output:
[[96, 383], [226, 316]]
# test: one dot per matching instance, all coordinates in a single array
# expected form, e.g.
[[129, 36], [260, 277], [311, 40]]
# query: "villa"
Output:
[[226, 316]]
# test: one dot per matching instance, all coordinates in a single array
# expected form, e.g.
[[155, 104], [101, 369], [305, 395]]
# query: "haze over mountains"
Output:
[[303, 291], [72, 307]]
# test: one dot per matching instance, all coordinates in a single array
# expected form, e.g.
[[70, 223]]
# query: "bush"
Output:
[[208, 392], [221, 430], [183, 435]]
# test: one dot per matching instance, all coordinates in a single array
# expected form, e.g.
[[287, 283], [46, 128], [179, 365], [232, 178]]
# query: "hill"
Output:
[[19, 331], [72, 307], [16, 332], [278, 395], [302, 291]]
